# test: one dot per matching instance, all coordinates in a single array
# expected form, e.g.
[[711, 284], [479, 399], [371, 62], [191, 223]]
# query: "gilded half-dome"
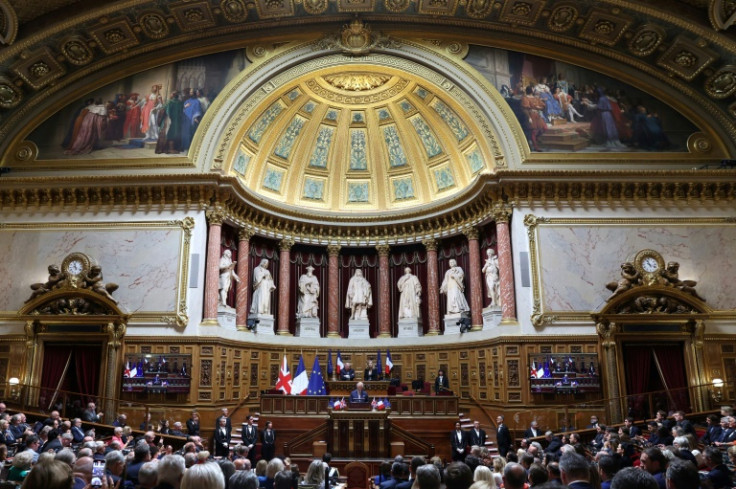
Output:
[[359, 139]]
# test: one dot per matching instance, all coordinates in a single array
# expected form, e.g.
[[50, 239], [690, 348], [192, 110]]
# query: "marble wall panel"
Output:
[[143, 262], [576, 261]]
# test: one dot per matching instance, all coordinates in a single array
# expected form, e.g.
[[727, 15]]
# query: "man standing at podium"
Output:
[[359, 394], [441, 383]]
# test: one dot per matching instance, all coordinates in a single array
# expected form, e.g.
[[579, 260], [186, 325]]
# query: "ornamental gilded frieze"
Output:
[[521, 12], [646, 40], [687, 58], [723, 83], [153, 23], [563, 17], [114, 35]]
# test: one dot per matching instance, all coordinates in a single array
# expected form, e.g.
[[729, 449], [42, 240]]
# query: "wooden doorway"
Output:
[[74, 367], [655, 366]]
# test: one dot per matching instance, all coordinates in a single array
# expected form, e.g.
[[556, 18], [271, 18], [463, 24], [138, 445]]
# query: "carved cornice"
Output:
[[481, 204], [216, 215]]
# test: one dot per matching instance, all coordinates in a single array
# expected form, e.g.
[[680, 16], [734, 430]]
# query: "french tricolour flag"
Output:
[[389, 363], [340, 365], [301, 381]]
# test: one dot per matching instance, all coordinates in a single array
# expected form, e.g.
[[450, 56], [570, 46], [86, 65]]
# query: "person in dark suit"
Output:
[[222, 439], [633, 430], [228, 422], [718, 474], [347, 373], [459, 441], [575, 471], [371, 372], [554, 444], [533, 431], [77, 431], [91, 415], [683, 423], [250, 438], [441, 383], [193, 424], [662, 419], [503, 437], [713, 430], [268, 442], [359, 394], [476, 436]]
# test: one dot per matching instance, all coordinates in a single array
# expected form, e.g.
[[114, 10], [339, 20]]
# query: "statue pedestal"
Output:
[[491, 317], [409, 328], [226, 317], [359, 328], [265, 324], [451, 326], [307, 327]]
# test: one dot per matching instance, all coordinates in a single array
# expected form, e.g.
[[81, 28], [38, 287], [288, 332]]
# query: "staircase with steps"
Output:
[[467, 424]]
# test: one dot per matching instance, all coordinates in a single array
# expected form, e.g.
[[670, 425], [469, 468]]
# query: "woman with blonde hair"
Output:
[[315, 474], [200, 476], [483, 473], [491, 484], [52, 474], [21, 466]]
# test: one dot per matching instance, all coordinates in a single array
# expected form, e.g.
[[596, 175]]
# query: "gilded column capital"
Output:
[[383, 250], [245, 234], [430, 244], [501, 212], [333, 250], [471, 232], [286, 244], [215, 215]]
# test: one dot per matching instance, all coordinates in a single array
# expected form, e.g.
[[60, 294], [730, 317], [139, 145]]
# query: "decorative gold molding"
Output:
[[383, 249]]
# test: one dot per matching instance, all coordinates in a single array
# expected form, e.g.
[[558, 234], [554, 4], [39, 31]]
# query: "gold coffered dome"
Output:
[[359, 139]]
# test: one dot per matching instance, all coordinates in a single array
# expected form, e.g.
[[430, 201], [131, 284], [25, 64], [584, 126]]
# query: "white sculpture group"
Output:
[[359, 297]]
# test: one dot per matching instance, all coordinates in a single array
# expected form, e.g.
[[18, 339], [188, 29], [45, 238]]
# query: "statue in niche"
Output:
[[453, 287], [359, 298], [227, 275], [308, 295], [493, 280], [262, 287], [93, 281], [410, 298], [56, 280]]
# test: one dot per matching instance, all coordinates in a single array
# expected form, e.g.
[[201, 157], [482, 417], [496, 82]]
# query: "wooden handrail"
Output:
[[491, 419]]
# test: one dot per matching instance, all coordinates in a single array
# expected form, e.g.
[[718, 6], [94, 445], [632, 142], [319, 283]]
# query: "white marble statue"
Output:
[[359, 297], [493, 280], [410, 298], [453, 287], [227, 275], [308, 295], [262, 287]]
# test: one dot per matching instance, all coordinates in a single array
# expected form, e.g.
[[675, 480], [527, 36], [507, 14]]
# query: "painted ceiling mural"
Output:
[[152, 113], [565, 108], [560, 108]]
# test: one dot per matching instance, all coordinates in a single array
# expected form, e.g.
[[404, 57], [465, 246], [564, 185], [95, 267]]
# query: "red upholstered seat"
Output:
[[356, 474]]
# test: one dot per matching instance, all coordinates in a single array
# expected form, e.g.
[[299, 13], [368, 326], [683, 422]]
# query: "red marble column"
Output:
[[384, 293], [433, 288], [241, 291], [215, 216], [476, 285], [333, 294], [502, 216], [284, 290]]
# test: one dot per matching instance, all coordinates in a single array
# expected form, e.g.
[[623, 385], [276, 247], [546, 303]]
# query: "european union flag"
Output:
[[316, 385], [329, 362]]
